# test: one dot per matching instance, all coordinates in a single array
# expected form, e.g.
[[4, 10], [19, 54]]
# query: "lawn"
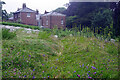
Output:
[[33, 55]]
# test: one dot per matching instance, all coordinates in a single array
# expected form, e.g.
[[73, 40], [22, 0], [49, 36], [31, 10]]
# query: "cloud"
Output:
[[41, 5]]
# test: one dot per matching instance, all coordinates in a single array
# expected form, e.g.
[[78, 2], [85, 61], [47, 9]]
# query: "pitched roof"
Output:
[[54, 14], [25, 10]]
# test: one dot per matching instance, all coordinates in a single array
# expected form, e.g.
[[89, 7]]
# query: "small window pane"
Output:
[[47, 22], [61, 21], [28, 14]]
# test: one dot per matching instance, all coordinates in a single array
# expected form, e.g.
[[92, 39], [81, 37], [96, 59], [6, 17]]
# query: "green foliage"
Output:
[[44, 34], [59, 10], [70, 21], [20, 25], [102, 19], [4, 15], [6, 34], [116, 18]]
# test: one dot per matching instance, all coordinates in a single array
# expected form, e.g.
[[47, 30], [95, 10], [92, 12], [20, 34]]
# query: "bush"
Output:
[[6, 34], [20, 25]]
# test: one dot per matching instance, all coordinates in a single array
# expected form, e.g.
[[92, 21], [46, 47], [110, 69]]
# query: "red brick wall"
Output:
[[54, 20], [44, 19], [28, 20]]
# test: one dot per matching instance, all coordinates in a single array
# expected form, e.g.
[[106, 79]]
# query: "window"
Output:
[[28, 14], [61, 21], [47, 22]]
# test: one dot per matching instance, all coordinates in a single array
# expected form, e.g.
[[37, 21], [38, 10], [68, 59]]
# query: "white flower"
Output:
[[70, 34], [55, 36]]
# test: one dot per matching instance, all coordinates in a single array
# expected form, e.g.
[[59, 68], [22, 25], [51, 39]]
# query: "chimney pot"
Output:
[[24, 5]]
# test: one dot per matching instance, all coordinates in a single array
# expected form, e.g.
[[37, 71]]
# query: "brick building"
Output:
[[52, 19], [28, 16]]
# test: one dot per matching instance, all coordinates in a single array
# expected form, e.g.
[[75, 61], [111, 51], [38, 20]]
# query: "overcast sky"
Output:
[[41, 5]]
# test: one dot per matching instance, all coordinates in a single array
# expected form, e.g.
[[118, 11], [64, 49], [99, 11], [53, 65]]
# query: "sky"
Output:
[[41, 5]]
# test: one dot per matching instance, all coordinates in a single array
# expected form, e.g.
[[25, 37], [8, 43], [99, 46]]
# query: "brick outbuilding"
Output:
[[52, 19]]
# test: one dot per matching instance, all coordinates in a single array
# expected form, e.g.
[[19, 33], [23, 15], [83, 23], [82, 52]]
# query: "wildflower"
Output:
[[89, 77], [44, 55], [43, 71], [25, 76], [87, 67], [89, 71], [93, 67], [48, 76], [29, 55], [42, 64], [51, 67], [78, 75], [82, 65], [14, 73], [33, 69], [33, 77], [56, 68], [74, 71], [94, 72], [56, 59]]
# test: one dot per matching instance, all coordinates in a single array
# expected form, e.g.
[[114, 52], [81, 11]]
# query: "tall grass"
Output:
[[6, 34]]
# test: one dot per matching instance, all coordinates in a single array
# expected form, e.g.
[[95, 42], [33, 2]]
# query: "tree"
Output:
[[85, 11], [60, 10], [1, 2], [116, 18], [4, 15], [10, 15], [102, 18]]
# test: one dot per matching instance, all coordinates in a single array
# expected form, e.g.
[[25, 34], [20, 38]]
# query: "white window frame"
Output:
[[28, 14], [46, 22], [62, 21]]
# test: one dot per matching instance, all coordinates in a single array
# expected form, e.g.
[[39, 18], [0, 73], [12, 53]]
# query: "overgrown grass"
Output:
[[71, 55], [6, 34]]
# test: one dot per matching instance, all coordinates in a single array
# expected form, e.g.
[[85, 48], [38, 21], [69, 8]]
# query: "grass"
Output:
[[37, 56]]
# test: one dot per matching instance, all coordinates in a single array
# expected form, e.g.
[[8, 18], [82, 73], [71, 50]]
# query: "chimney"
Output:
[[46, 12], [37, 12], [24, 5]]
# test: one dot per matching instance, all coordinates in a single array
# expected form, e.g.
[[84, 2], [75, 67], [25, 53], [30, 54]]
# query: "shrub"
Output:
[[20, 25], [6, 34]]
